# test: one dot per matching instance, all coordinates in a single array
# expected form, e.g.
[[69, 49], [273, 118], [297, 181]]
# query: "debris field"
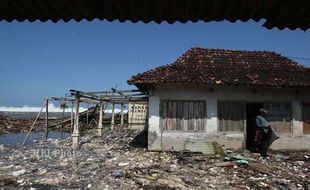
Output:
[[118, 160]]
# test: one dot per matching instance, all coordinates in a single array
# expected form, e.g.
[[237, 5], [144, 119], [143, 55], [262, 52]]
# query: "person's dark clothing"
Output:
[[262, 135], [264, 143]]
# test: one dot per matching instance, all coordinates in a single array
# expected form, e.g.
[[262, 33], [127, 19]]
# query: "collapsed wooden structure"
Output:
[[100, 100], [103, 97]]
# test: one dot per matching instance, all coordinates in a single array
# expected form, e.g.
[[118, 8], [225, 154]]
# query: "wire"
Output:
[[303, 58]]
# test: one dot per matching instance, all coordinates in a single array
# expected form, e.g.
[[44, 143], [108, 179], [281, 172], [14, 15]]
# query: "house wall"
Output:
[[174, 140]]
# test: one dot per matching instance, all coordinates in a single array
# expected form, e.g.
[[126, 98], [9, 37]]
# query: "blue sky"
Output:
[[47, 59]]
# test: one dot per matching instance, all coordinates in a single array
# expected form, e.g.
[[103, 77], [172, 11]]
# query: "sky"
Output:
[[48, 59]]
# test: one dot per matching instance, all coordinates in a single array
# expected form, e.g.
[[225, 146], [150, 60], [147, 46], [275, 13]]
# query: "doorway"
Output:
[[252, 110]]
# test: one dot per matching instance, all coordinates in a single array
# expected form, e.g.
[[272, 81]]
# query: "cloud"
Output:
[[51, 108]]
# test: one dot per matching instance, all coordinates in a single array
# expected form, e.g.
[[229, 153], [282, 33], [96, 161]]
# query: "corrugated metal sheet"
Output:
[[199, 146], [281, 14]]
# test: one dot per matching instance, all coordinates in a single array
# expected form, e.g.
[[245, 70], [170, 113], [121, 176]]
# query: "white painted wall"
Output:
[[175, 140]]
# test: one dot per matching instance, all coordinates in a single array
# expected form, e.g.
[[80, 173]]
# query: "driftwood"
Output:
[[260, 167]]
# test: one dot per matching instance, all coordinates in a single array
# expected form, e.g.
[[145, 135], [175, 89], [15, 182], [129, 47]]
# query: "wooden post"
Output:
[[46, 118], [122, 114], [112, 117], [63, 118], [63, 106], [100, 122], [87, 114], [76, 132], [72, 117]]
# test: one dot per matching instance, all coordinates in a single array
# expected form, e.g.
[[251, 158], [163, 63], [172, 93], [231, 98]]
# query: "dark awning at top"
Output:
[[282, 14]]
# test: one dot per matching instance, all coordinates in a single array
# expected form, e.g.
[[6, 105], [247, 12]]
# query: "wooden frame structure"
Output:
[[45, 105], [98, 98], [113, 97]]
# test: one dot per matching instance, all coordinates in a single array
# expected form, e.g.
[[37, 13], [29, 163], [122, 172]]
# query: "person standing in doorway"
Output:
[[262, 134]]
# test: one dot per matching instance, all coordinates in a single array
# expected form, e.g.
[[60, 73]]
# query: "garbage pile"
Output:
[[111, 162]]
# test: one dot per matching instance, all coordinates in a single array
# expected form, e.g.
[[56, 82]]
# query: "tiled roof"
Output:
[[227, 67]]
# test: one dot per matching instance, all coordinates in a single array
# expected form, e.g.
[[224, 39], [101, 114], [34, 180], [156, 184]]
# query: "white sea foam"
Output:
[[51, 108]]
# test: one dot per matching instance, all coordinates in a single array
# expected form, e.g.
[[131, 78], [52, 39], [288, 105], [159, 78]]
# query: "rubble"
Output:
[[18, 173], [111, 163]]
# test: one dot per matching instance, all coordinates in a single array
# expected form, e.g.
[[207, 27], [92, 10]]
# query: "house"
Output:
[[215, 94]]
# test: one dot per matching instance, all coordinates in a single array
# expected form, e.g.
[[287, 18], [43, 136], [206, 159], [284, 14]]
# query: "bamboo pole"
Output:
[[44, 104]]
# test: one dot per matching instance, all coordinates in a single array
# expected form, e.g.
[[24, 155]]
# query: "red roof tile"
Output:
[[228, 67]]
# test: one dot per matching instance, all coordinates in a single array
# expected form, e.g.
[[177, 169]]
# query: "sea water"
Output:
[[16, 139]]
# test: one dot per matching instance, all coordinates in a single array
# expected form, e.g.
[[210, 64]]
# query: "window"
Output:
[[231, 116], [180, 115], [279, 116], [306, 117]]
